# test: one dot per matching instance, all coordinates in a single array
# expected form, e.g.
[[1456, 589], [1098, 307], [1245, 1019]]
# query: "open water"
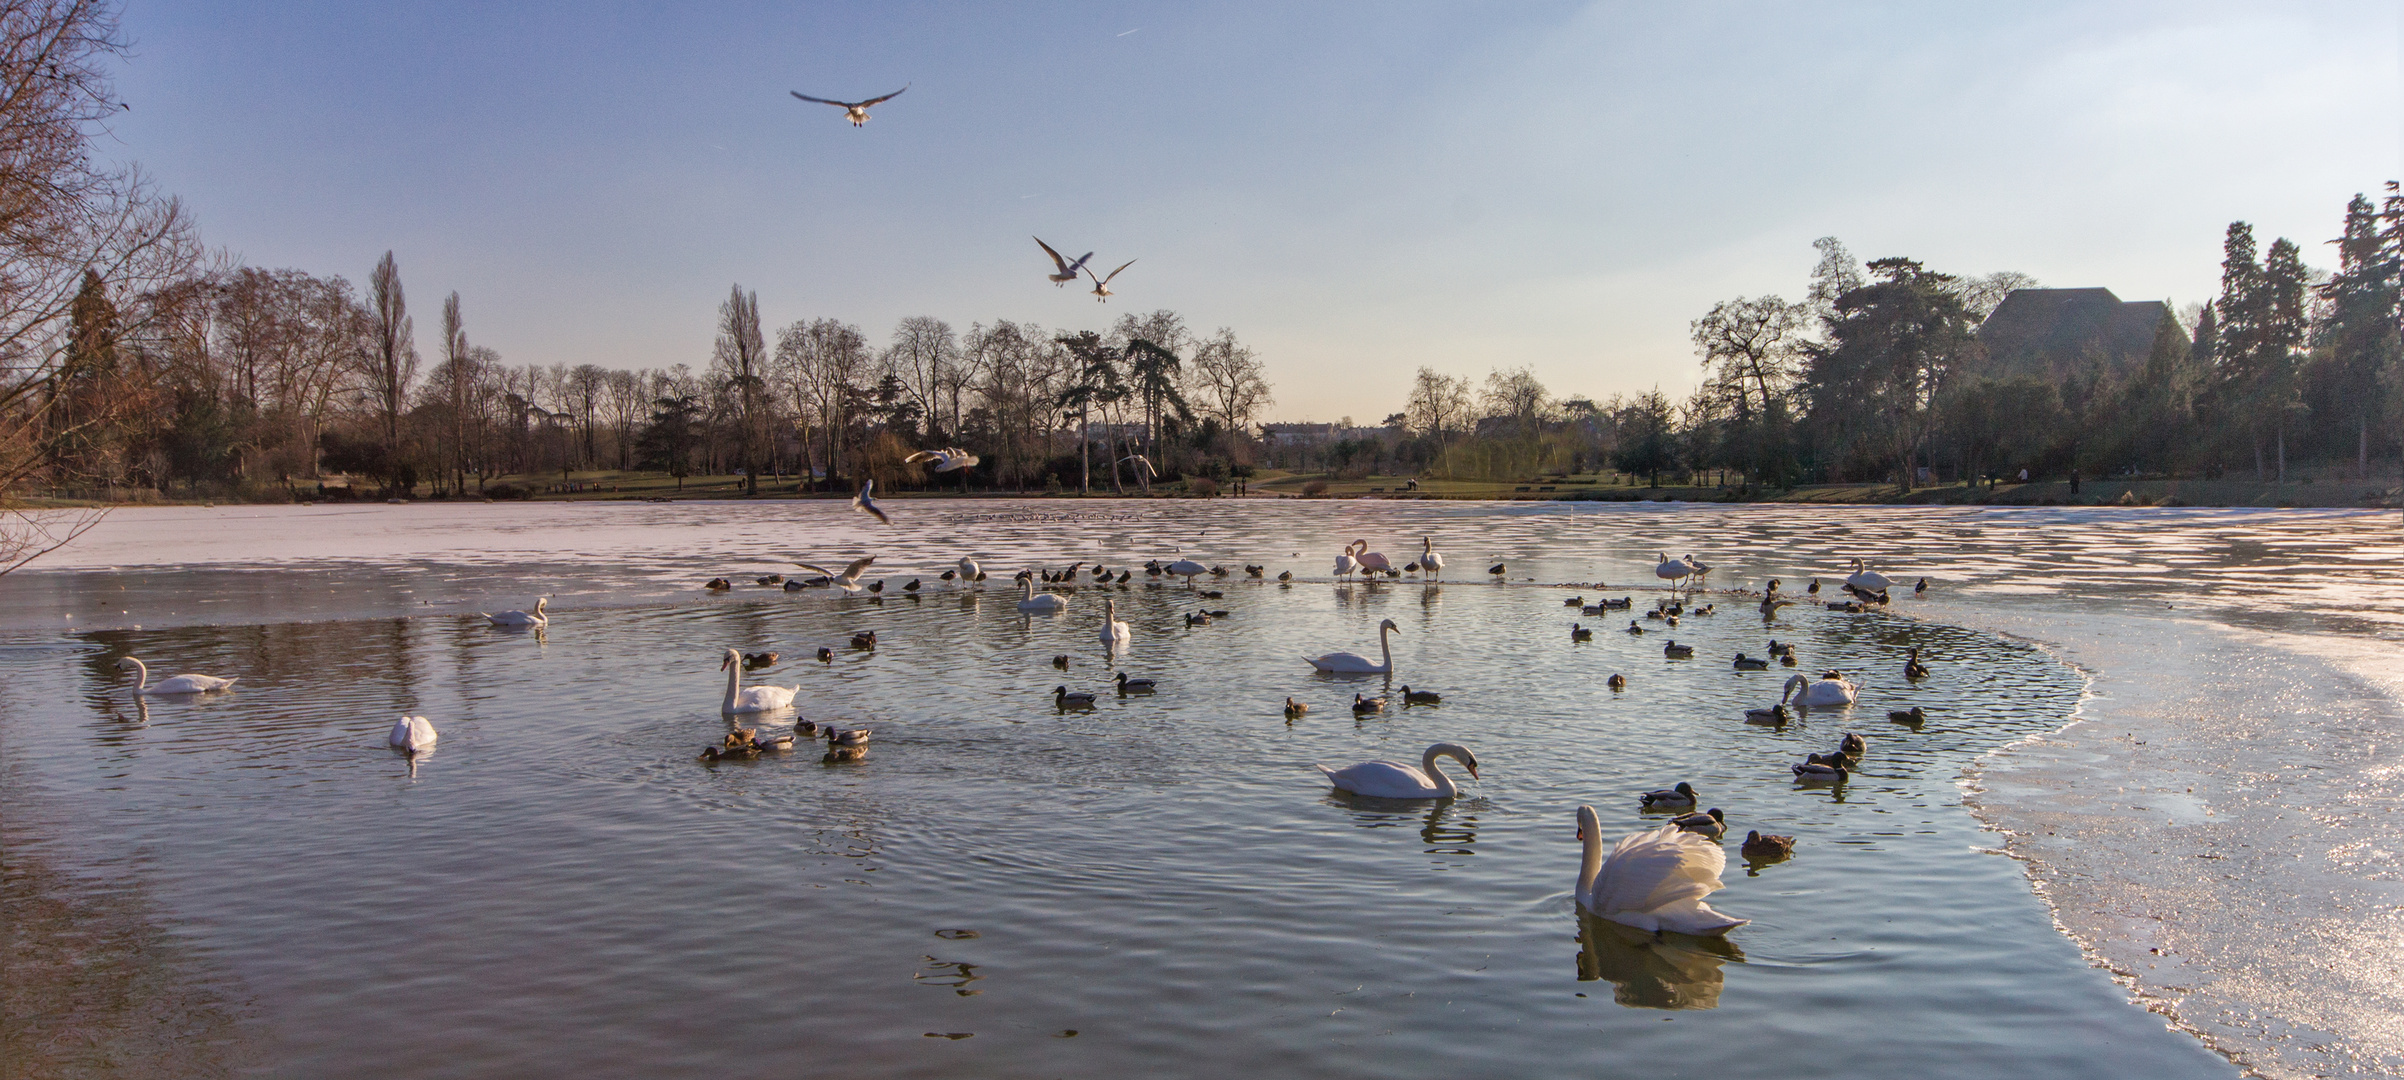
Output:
[[250, 883]]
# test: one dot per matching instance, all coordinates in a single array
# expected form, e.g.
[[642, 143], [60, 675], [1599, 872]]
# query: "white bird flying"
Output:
[[1101, 285], [948, 459], [848, 580], [1065, 271], [854, 111], [864, 503]]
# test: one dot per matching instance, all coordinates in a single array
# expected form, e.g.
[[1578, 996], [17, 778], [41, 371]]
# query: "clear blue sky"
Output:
[[1356, 190]]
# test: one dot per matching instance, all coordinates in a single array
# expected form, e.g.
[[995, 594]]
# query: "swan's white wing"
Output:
[[1652, 870], [1340, 661], [1382, 779]]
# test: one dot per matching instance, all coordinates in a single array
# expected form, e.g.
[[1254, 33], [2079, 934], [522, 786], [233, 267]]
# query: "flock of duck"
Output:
[[1654, 880]]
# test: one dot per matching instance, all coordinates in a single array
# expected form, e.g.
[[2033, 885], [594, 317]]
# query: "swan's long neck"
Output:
[[540, 602], [734, 681], [141, 675], [1385, 646], [1792, 684], [1445, 788], [1591, 864]]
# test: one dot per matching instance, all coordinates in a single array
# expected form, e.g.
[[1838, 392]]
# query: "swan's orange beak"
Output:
[[1581, 833], [722, 664], [1473, 772]]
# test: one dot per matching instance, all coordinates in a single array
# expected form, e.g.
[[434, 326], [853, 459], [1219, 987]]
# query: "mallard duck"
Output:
[[1136, 686], [770, 579], [1420, 697], [865, 639], [1913, 668], [1367, 704], [740, 736], [1218, 571], [1061, 661], [912, 586], [1852, 746], [1709, 823], [1815, 587], [1207, 594], [770, 743], [1574, 601], [836, 736], [1294, 709], [1591, 610], [1062, 699], [1219, 613], [1633, 628], [1915, 716], [1285, 575], [1123, 576], [1252, 571], [1748, 663], [753, 661], [1675, 651], [1580, 633], [1199, 618], [1707, 609], [1760, 847], [1921, 588], [722, 753], [1775, 714], [1656, 613], [839, 754], [719, 584], [1496, 569], [1669, 798], [806, 728], [1672, 621], [1787, 661], [1621, 604], [1817, 769], [1777, 649], [826, 655], [1617, 682], [947, 575]]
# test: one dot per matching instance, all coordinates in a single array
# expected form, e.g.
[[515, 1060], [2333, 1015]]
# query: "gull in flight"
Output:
[[848, 580], [947, 459], [854, 111], [863, 503], [1101, 285], [1065, 271]]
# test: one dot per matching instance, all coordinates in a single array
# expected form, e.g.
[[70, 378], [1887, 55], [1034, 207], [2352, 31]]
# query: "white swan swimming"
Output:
[[412, 735], [1356, 664], [1829, 690], [535, 617], [1395, 780], [1116, 635], [1654, 880], [743, 699], [1030, 600], [180, 684], [1430, 560]]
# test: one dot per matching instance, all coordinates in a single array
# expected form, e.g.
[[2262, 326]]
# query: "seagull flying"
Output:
[[1101, 285], [946, 460], [866, 505], [854, 111], [1067, 271]]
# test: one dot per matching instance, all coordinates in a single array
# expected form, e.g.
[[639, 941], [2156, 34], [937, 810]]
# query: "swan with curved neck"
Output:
[[1395, 780], [1345, 663], [1866, 579], [1030, 600], [1373, 561], [180, 684], [1345, 563], [1830, 690], [747, 699], [1116, 635], [535, 617], [1653, 880]]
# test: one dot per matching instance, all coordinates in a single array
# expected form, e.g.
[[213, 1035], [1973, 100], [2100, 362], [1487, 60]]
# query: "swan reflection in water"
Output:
[[1439, 828], [1653, 971]]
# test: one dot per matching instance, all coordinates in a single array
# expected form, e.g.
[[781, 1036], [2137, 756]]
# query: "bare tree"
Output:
[[1757, 344], [923, 350], [392, 359], [1439, 405], [1232, 382], [742, 359], [1515, 395]]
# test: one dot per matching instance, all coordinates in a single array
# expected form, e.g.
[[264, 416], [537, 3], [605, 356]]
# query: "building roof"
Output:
[[2053, 333]]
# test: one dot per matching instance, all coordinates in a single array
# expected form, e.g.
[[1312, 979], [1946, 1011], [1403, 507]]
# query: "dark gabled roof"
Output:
[[2052, 333]]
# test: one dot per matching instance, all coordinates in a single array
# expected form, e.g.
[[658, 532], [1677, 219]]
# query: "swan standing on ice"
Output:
[[1671, 570], [1653, 880], [1344, 663], [412, 735], [1346, 564], [1430, 560], [1030, 600], [743, 699], [1116, 635], [1867, 580], [968, 572], [848, 580], [1395, 780], [1828, 691], [1374, 562], [1187, 569], [535, 617], [180, 684]]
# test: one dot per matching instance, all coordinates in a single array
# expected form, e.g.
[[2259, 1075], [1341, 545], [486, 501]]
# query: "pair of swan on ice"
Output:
[[1652, 880]]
